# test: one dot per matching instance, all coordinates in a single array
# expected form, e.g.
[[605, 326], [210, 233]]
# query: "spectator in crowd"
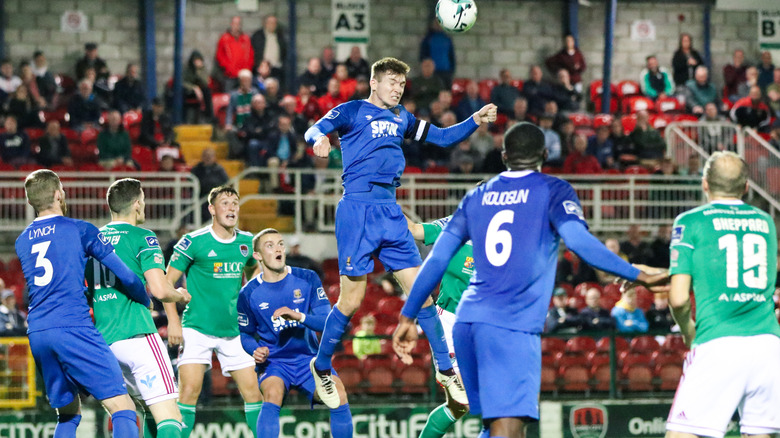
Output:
[[273, 97], [464, 166], [269, 43], [283, 141], [660, 247], [129, 92], [14, 144], [426, 86], [256, 131], [751, 111], [22, 106], [713, 136], [774, 135], [593, 317], [195, 80], [27, 76], [693, 168], [261, 73], [210, 174], [743, 88], [566, 94], [8, 80], [765, 70], [113, 142], [47, 86], [83, 108], [438, 46], [299, 260], [552, 141], [734, 74], [566, 132], [482, 140], [685, 60], [92, 60], [287, 107], [313, 77], [100, 88], [700, 91], [536, 90], [328, 63], [53, 147], [628, 317], [332, 98], [560, 317], [504, 94], [433, 154], [773, 94], [167, 164], [658, 316], [600, 146], [626, 153], [365, 343], [551, 107], [570, 59], [654, 80], [445, 99], [299, 159], [572, 270], [356, 64], [613, 245], [520, 111], [234, 54], [635, 248], [307, 104], [362, 89], [579, 161], [462, 151], [646, 139], [493, 164], [12, 320], [237, 110], [346, 84], [156, 126]]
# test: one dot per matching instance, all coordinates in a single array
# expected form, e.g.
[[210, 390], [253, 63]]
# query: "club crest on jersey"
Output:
[[152, 241], [677, 233], [589, 421], [382, 128], [244, 250], [184, 244], [298, 296], [571, 207]]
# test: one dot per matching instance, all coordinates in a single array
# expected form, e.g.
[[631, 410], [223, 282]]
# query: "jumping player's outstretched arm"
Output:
[[424, 131]]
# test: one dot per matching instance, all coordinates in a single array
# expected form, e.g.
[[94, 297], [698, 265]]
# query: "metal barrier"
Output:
[[610, 202], [17, 374], [169, 197]]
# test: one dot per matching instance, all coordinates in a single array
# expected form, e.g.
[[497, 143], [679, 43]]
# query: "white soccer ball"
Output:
[[456, 15]]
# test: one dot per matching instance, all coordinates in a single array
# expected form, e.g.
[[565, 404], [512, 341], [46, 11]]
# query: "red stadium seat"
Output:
[[596, 91], [131, 118], [580, 344], [666, 357], [629, 123], [674, 343], [564, 359], [628, 88], [644, 344], [378, 372], [668, 375], [34, 133], [600, 374], [485, 87], [390, 306], [620, 344], [636, 170], [581, 120], [574, 378], [638, 378], [602, 120], [553, 345], [517, 83], [548, 379], [581, 288], [634, 104], [668, 105]]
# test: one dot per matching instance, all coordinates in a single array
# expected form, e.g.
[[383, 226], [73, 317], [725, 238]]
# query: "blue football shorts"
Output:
[[501, 369], [373, 227], [71, 359], [295, 374]]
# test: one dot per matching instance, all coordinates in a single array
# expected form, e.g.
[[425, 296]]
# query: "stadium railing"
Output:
[[17, 374], [170, 198], [704, 138]]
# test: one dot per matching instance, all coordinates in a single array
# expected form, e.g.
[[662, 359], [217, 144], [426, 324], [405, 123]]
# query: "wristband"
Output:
[[303, 318]]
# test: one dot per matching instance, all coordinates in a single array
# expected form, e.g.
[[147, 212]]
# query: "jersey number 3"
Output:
[[42, 262], [753, 256], [498, 255]]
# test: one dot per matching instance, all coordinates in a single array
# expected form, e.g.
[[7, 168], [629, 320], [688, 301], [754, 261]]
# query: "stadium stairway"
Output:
[[258, 214], [194, 139]]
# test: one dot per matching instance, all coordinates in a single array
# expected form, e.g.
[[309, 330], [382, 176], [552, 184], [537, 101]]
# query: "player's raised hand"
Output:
[[185, 296], [655, 279], [175, 336], [260, 354], [487, 114], [405, 339], [322, 147], [287, 313]]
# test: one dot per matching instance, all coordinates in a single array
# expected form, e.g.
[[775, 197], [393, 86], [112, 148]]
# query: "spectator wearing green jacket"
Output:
[[654, 80], [700, 91], [114, 148]]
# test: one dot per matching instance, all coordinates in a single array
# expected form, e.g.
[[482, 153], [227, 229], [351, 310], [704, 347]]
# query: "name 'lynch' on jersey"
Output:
[[371, 139]]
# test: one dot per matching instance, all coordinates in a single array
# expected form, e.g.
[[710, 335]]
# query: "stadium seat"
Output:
[[485, 87], [581, 288], [643, 344], [600, 375], [666, 357], [390, 306], [350, 370], [637, 377], [636, 170], [564, 359], [627, 359], [131, 118], [634, 104], [580, 344], [595, 92], [674, 342], [220, 385], [629, 123], [602, 120], [144, 156], [668, 105], [553, 345], [517, 83], [91, 167], [34, 133], [574, 378], [621, 344], [668, 376], [548, 379], [628, 89], [378, 372], [220, 102], [773, 178], [597, 358]]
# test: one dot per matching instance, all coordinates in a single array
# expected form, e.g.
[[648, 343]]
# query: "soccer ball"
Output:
[[456, 15]]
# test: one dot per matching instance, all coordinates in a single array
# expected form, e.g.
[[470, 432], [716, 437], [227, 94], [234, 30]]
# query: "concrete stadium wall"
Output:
[[508, 33]]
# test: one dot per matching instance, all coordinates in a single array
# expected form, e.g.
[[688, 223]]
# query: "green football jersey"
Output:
[[214, 269], [117, 317], [730, 251], [459, 271]]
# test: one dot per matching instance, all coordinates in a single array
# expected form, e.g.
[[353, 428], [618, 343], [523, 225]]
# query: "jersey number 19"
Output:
[[753, 255]]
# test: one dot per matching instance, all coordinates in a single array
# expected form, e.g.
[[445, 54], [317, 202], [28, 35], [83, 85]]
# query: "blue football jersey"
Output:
[[512, 221], [371, 139], [53, 251], [300, 290]]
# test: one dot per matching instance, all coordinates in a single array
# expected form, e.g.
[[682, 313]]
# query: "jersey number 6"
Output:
[[496, 236]]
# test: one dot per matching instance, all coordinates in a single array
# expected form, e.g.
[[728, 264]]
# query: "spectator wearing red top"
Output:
[[332, 97], [734, 74], [306, 103], [579, 161], [234, 53], [156, 126], [570, 59], [751, 111], [347, 84]]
